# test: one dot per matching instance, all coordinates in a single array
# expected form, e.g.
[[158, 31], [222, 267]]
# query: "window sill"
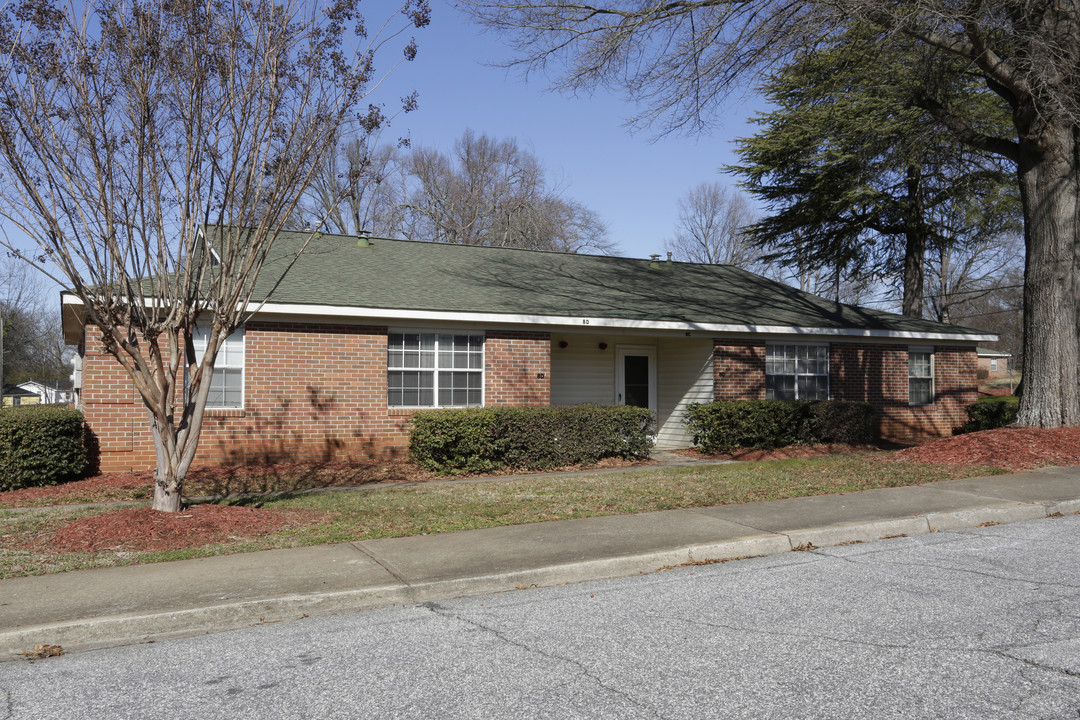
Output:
[[398, 410], [225, 412]]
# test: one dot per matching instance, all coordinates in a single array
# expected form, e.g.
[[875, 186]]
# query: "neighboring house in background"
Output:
[[15, 395], [994, 363], [50, 391], [359, 335]]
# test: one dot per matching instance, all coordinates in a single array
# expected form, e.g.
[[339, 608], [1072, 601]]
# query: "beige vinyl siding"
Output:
[[582, 372], [685, 375]]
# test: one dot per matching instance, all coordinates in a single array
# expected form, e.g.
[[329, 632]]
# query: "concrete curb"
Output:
[[135, 627]]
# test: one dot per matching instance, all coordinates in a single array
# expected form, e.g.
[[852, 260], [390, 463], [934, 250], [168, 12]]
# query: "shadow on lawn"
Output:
[[234, 481]]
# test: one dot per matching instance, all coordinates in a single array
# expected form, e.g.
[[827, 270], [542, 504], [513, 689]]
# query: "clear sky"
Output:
[[633, 182]]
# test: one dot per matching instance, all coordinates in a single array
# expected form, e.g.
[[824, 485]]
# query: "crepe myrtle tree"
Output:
[[128, 127], [680, 61]]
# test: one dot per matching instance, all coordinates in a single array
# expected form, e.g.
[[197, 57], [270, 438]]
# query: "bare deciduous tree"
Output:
[[33, 347], [710, 227], [679, 61], [487, 192], [359, 187], [492, 192], [125, 128]]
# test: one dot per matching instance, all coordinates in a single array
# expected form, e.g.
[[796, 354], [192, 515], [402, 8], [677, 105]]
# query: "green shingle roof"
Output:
[[407, 275]]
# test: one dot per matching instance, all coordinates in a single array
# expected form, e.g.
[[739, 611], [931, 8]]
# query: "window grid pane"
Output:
[[797, 372], [920, 378], [227, 380], [446, 370]]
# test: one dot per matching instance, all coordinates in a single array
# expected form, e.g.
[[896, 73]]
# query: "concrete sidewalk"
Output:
[[112, 606]]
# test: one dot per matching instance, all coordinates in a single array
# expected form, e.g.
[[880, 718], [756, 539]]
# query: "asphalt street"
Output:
[[979, 623]]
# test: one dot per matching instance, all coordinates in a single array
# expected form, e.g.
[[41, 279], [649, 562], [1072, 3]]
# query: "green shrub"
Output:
[[724, 426], [851, 423], [987, 416], [40, 445], [470, 440]]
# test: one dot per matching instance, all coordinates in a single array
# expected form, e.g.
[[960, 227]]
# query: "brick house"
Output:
[[993, 363], [359, 335]]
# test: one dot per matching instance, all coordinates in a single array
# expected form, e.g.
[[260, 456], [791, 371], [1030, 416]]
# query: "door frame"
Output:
[[621, 351]]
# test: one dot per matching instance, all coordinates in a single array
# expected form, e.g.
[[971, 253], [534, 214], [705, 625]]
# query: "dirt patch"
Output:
[[1009, 448], [135, 529]]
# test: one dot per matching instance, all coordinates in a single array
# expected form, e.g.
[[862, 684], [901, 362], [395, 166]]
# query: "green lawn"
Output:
[[394, 511]]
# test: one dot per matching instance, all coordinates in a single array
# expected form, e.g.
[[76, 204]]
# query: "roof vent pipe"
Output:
[[363, 238], [655, 262], [669, 257]]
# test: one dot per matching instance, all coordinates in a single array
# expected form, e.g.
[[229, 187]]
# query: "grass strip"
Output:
[[396, 511]]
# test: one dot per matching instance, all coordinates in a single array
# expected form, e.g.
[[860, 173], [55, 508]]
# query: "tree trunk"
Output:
[[1048, 177], [168, 482], [915, 246], [166, 494]]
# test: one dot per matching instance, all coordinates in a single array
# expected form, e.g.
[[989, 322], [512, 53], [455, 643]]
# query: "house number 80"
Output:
[[541, 376]]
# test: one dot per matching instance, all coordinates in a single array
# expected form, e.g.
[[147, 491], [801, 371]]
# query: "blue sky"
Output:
[[631, 181]]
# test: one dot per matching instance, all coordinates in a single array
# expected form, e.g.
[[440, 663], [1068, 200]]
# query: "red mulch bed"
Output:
[[144, 529], [99, 488], [1009, 448]]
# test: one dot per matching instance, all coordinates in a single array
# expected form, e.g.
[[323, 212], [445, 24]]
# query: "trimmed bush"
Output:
[[40, 445], [987, 416], [470, 440], [851, 423], [725, 426]]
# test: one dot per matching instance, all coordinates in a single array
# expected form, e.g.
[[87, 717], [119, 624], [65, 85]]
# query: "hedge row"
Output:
[[40, 445], [529, 438], [724, 426], [987, 416]]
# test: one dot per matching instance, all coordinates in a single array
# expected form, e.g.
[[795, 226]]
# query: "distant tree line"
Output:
[[33, 339], [484, 191]]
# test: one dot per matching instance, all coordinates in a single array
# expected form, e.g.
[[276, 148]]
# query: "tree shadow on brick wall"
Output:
[[93, 451], [272, 452], [897, 419]]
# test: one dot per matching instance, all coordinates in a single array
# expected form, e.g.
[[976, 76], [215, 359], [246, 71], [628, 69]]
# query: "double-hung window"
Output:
[[227, 381], [435, 370], [797, 372], [920, 376]]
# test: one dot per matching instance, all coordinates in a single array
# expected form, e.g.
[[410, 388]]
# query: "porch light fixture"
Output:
[[563, 344], [603, 346]]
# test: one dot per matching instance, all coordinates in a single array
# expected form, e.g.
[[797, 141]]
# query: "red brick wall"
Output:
[[311, 392], [876, 374], [738, 370], [1002, 367], [518, 368]]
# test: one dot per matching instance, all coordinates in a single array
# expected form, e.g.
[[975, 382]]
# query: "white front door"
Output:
[[635, 376]]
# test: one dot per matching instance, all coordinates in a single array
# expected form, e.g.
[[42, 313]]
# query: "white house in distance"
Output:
[[49, 392]]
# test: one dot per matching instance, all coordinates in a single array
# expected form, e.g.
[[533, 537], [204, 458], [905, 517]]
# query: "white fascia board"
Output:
[[586, 322], [599, 322]]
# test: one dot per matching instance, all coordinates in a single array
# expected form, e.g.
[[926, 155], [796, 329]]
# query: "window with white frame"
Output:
[[920, 376], [227, 381], [435, 369], [797, 372], [993, 364]]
